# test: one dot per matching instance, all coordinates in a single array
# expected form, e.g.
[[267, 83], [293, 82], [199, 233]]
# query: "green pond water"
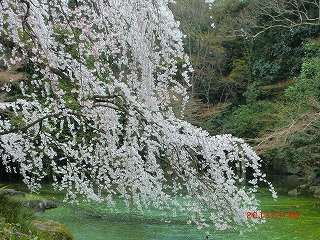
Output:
[[92, 221]]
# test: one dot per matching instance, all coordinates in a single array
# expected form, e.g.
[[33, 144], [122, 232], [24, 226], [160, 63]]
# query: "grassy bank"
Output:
[[17, 221]]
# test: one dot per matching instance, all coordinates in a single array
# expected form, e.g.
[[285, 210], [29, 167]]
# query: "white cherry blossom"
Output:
[[96, 114]]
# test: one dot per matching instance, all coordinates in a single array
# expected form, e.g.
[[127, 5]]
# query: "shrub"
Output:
[[12, 211], [251, 120]]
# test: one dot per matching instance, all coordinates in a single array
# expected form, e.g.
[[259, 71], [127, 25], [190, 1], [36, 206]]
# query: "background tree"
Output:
[[206, 56], [251, 18], [271, 57], [220, 63], [285, 14]]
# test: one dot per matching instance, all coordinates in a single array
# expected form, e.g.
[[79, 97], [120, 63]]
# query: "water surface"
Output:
[[96, 222]]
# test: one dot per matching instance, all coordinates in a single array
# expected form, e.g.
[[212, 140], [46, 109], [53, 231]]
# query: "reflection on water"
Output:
[[95, 222]]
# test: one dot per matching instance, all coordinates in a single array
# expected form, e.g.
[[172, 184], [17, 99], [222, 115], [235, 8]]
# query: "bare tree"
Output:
[[286, 14], [253, 17]]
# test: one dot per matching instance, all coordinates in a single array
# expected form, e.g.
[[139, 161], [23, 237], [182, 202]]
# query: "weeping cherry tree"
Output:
[[96, 111]]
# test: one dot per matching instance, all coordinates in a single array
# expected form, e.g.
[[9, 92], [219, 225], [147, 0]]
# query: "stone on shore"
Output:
[[52, 229]]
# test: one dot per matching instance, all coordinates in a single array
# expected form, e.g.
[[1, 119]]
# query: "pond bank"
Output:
[[18, 218]]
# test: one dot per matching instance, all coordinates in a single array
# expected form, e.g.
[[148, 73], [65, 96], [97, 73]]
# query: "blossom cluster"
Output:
[[96, 113]]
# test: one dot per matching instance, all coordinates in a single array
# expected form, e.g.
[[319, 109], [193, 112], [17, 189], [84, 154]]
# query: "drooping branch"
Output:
[[105, 134], [26, 127], [24, 21], [111, 102]]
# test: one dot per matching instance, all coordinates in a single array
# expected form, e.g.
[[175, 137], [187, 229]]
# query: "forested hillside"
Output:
[[257, 76]]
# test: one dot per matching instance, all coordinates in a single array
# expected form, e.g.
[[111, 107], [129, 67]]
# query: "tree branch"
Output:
[[25, 128]]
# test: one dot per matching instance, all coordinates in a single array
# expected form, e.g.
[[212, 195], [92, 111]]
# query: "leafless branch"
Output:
[[280, 137], [260, 16]]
